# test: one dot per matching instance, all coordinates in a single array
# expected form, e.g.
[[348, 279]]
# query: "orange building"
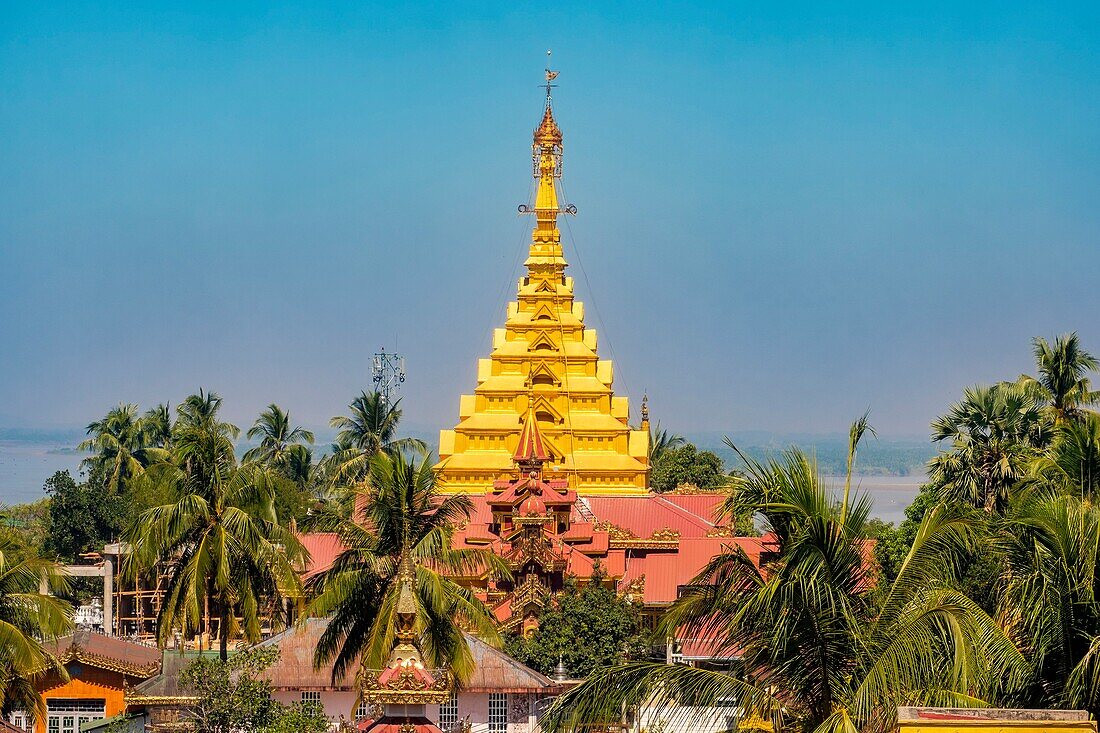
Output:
[[100, 668]]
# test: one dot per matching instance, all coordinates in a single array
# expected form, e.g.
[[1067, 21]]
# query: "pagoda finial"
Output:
[[550, 77], [645, 411]]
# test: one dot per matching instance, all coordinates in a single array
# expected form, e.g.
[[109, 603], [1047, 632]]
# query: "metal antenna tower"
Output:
[[388, 373]]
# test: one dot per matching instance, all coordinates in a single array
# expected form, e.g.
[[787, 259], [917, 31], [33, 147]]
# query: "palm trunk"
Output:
[[223, 635]]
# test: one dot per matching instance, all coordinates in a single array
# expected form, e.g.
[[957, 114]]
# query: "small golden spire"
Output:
[[645, 411]]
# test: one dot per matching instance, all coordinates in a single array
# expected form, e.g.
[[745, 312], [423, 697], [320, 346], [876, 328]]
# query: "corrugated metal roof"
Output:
[[323, 548], [495, 671]]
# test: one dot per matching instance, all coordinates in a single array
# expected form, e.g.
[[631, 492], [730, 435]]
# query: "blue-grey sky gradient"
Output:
[[788, 214]]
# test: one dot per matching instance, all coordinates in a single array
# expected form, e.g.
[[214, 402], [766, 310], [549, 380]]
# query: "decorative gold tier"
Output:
[[545, 357]]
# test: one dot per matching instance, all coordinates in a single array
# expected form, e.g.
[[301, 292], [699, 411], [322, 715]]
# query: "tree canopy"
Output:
[[587, 627]]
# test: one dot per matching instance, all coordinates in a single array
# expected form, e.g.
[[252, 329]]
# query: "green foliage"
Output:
[[662, 441], [687, 466], [1062, 383], [82, 517], [1051, 602], [893, 543], [233, 696], [995, 433], [123, 446], [369, 429], [23, 529], [589, 627], [28, 617]]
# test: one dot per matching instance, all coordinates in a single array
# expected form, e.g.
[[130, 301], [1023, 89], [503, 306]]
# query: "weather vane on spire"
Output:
[[550, 77]]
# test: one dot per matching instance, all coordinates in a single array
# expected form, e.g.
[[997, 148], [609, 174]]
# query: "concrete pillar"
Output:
[[108, 598]]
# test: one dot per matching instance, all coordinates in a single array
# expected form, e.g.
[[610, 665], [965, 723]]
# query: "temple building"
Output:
[[557, 476], [545, 356]]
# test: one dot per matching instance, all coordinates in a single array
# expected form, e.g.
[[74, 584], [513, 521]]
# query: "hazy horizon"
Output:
[[787, 215]]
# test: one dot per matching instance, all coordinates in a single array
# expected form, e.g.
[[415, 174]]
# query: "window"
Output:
[[363, 711], [498, 712], [20, 720], [66, 715], [311, 696], [448, 713]]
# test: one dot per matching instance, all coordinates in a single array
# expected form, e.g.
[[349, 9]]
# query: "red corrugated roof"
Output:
[[644, 515], [323, 549], [665, 572], [704, 506]]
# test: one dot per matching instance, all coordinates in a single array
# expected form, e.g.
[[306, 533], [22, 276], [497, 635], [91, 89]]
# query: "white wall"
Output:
[[472, 704], [336, 704]]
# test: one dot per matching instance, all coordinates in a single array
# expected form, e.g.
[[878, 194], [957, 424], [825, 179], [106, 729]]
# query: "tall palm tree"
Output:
[[995, 433], [202, 409], [661, 441], [823, 650], [121, 449], [369, 429], [1051, 602], [277, 435], [27, 617], [402, 514], [1063, 382], [218, 543]]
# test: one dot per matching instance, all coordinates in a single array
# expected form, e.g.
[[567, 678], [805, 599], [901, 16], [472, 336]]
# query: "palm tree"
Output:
[[202, 409], [120, 446], [661, 441], [402, 515], [218, 543], [823, 649], [1072, 462], [276, 435], [156, 425], [369, 429], [1062, 382], [27, 617], [1051, 602], [995, 433]]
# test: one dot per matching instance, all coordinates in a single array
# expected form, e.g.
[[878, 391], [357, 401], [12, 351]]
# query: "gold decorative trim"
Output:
[[614, 531], [662, 539], [79, 654]]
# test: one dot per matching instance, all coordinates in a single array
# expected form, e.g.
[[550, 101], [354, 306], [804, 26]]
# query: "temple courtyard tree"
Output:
[[586, 628], [401, 517]]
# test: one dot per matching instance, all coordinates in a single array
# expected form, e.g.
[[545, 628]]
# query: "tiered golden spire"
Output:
[[545, 368]]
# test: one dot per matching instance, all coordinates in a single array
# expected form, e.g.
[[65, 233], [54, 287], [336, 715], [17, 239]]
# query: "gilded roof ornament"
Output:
[[548, 134]]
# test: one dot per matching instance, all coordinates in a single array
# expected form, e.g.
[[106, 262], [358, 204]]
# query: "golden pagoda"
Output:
[[545, 360]]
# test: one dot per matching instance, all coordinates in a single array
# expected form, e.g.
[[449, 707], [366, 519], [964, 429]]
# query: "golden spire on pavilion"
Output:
[[544, 381]]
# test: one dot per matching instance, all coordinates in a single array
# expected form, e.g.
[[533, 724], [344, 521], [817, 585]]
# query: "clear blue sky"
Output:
[[788, 214]]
